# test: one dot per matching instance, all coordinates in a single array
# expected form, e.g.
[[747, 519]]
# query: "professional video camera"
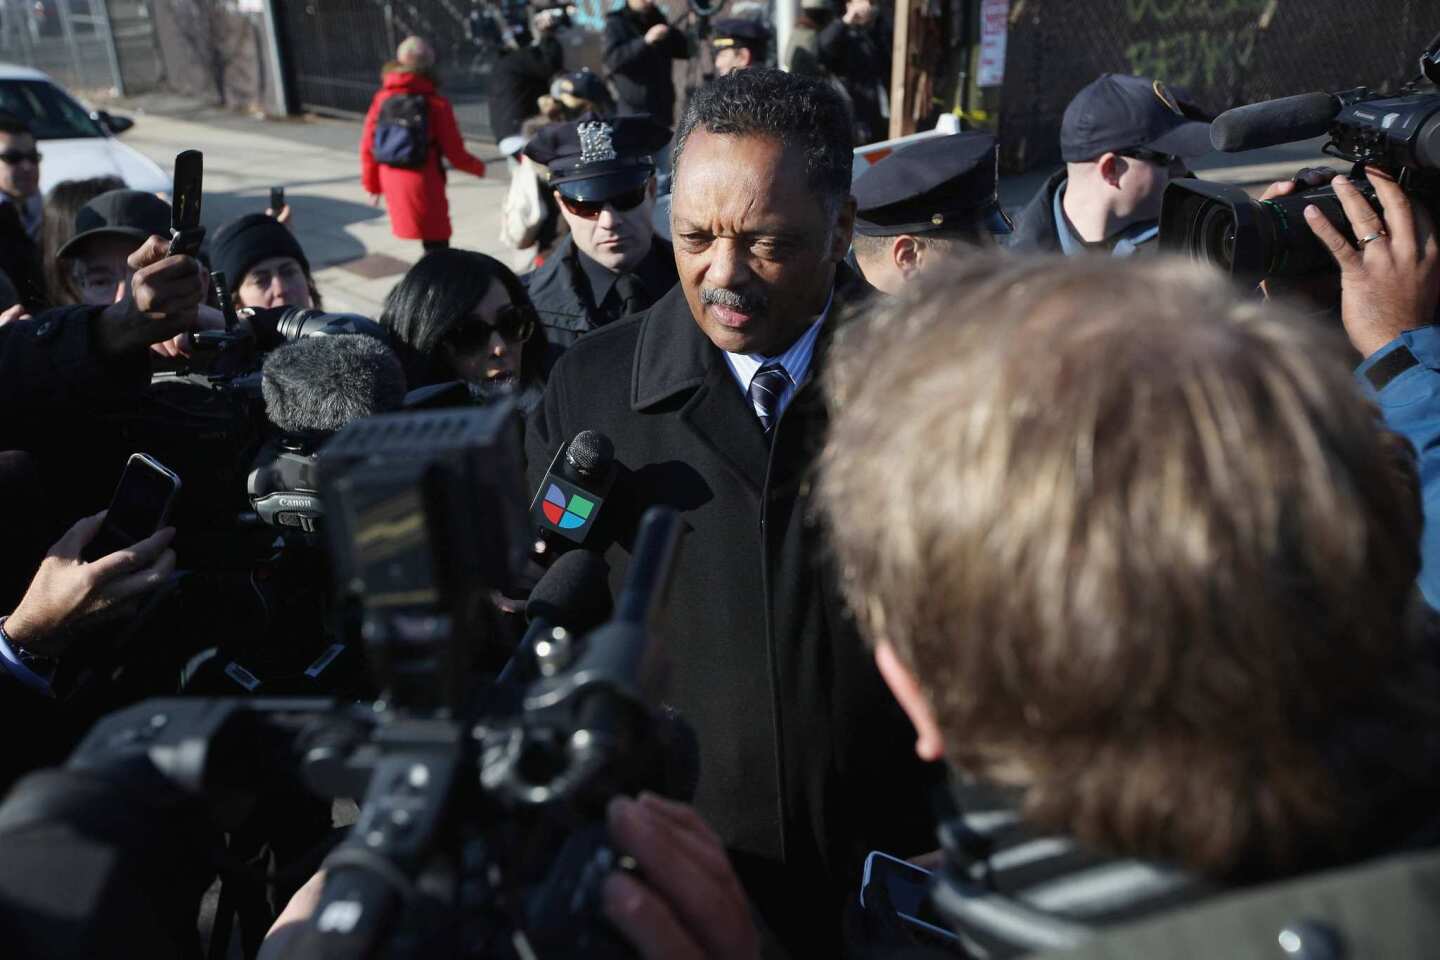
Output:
[[1252, 239], [482, 830]]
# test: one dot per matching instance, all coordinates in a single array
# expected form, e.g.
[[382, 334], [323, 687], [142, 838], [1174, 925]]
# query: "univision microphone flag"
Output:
[[566, 509]]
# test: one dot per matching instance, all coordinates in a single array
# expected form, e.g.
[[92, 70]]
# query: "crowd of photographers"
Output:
[[1035, 592]]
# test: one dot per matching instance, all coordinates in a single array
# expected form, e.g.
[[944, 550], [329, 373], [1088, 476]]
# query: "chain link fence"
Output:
[[1222, 52], [68, 39]]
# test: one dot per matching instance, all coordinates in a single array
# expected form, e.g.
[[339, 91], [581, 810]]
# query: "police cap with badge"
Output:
[[597, 158], [939, 184], [739, 32]]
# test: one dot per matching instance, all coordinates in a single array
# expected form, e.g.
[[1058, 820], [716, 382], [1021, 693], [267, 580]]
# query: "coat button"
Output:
[[44, 327], [1310, 940]]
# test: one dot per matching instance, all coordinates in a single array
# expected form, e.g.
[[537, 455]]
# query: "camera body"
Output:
[[482, 829], [1255, 239]]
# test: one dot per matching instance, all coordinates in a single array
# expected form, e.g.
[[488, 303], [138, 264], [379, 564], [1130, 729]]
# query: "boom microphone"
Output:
[[323, 383], [1273, 122], [567, 504]]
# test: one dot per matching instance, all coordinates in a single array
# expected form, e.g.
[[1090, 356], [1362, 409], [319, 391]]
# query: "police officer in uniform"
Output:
[[924, 205], [737, 43], [602, 171], [1123, 139]]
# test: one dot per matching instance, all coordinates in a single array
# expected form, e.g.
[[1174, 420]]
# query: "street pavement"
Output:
[[355, 257]]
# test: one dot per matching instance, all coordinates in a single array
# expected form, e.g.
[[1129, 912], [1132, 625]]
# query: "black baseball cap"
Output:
[[596, 158], [119, 213], [1117, 113], [935, 184], [739, 32], [583, 84]]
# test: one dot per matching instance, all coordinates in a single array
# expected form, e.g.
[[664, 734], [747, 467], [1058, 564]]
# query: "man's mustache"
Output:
[[751, 303]]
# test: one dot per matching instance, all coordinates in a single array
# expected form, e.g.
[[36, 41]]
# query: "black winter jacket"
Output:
[[639, 70], [806, 762]]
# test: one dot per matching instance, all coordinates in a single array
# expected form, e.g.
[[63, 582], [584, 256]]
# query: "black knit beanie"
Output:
[[244, 242]]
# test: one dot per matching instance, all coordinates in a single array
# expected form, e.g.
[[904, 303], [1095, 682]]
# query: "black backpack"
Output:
[[402, 131]]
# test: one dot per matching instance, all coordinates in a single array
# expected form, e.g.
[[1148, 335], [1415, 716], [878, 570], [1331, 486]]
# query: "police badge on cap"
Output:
[[596, 158]]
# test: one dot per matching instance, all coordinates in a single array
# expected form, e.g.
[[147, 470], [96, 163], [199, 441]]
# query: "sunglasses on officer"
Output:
[[591, 209], [15, 157], [515, 324]]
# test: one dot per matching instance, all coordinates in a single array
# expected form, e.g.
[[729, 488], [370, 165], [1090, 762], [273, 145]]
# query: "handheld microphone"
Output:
[[572, 598], [1273, 122], [567, 504], [322, 383]]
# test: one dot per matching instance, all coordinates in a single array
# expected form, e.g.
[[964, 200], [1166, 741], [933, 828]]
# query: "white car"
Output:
[[74, 143]]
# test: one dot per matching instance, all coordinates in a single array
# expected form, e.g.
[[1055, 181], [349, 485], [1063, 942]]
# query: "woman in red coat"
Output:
[[416, 197]]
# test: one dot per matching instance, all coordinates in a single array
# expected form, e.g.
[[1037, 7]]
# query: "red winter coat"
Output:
[[416, 198]]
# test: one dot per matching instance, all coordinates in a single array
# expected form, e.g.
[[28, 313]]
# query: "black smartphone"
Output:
[[141, 506], [908, 889], [185, 230], [277, 200]]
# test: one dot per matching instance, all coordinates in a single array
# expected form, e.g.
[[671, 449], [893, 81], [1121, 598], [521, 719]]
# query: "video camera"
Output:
[[1255, 239], [482, 829]]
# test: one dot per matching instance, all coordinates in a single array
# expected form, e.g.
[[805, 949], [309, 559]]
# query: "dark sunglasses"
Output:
[[514, 324], [1150, 156], [12, 157], [591, 209]]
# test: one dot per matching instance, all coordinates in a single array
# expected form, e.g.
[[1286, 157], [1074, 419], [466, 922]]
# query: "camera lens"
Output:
[[1215, 236]]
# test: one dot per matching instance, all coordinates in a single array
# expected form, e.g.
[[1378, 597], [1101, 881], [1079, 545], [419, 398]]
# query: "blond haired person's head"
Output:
[[1131, 540]]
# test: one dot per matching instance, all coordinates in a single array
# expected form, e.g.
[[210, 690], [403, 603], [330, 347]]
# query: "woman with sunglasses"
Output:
[[461, 315]]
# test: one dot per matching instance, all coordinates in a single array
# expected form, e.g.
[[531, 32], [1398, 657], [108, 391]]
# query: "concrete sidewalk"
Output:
[[355, 257]]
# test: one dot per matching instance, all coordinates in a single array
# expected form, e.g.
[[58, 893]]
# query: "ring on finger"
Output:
[[1371, 238]]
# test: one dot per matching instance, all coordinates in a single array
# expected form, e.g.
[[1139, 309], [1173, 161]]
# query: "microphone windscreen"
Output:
[[323, 383], [590, 453], [1273, 122], [574, 593]]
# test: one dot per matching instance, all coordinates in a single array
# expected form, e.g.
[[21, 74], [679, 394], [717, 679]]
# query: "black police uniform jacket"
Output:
[[563, 301], [805, 759]]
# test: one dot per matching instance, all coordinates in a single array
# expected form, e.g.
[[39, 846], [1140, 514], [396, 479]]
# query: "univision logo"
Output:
[[563, 514]]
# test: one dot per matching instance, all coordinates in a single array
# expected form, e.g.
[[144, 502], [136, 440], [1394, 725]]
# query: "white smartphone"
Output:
[[141, 506], [907, 887]]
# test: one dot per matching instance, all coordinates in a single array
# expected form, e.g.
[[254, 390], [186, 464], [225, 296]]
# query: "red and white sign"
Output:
[[994, 25]]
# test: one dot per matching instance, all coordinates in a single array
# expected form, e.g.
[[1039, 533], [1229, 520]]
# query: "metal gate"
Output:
[[1223, 52], [68, 39], [337, 48], [137, 50]]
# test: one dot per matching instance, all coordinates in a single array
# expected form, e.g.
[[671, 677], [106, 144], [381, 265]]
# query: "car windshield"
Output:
[[49, 111]]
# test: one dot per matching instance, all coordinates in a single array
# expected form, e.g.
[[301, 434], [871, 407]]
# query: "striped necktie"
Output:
[[766, 389]]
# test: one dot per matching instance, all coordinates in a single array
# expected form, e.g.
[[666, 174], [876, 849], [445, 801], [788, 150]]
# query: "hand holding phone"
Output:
[[185, 202], [65, 591], [140, 507], [907, 891], [277, 200]]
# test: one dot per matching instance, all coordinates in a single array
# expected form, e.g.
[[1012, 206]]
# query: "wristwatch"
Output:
[[41, 666]]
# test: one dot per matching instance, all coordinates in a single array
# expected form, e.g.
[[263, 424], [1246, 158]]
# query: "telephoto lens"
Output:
[[1251, 239]]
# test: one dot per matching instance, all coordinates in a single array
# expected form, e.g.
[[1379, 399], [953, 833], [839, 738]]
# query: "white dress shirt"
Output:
[[795, 360]]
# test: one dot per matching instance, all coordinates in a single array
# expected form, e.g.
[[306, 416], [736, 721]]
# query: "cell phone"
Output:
[[908, 889], [141, 506], [185, 201], [277, 200]]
